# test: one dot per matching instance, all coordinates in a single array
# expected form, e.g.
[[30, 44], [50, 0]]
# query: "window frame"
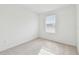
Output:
[[55, 23]]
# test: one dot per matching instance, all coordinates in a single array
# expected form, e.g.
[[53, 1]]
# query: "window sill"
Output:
[[51, 32]]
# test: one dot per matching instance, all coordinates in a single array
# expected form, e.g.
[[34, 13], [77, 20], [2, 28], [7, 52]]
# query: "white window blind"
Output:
[[50, 23]]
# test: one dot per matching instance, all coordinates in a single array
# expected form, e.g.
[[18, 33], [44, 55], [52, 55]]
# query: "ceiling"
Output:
[[40, 8]]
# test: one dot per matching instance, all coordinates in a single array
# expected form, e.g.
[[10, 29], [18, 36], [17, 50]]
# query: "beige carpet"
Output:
[[41, 47]]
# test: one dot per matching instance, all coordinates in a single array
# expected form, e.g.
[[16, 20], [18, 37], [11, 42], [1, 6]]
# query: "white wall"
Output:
[[65, 25], [17, 25], [77, 9]]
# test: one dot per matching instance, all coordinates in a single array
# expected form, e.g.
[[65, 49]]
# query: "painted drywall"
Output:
[[17, 25], [77, 13], [65, 25]]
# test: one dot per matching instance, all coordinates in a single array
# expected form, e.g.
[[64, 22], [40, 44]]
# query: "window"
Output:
[[50, 22]]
